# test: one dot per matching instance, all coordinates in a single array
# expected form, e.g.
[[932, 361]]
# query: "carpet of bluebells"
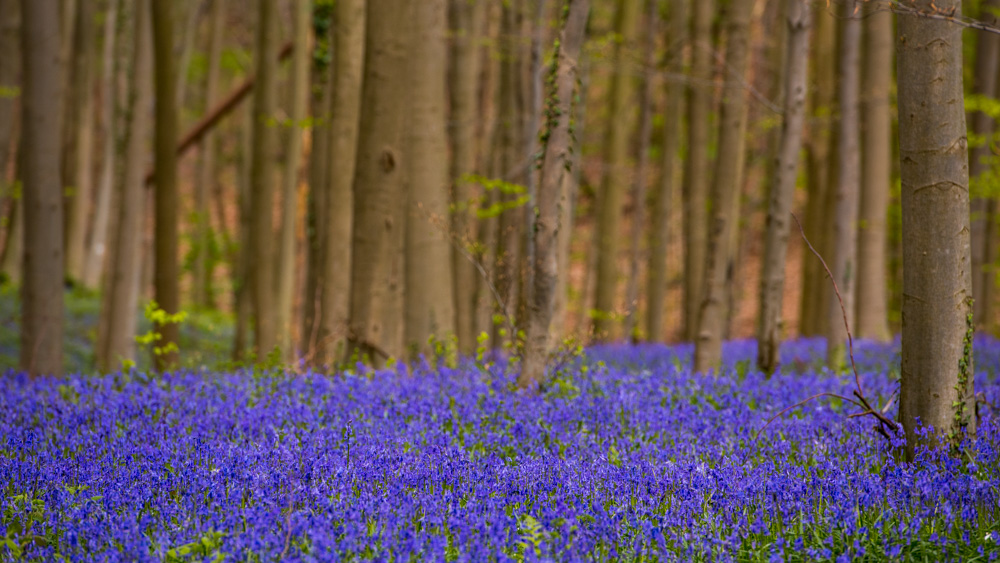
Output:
[[625, 455]]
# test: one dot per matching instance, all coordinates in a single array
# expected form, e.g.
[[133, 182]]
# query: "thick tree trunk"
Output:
[[348, 65], [377, 269], [697, 165], [285, 265], [676, 42], [42, 290], [876, 170], [467, 20], [120, 291], [937, 383], [556, 166], [772, 281], [984, 83], [263, 180], [725, 190], [844, 265], [202, 290], [616, 171], [429, 300], [165, 276]]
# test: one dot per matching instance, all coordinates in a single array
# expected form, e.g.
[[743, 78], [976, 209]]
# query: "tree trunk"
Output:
[[467, 19], [725, 190], [844, 265], [984, 83], [96, 250], [242, 285], [656, 290], [13, 250], [772, 281], [429, 299], [815, 286], [120, 291], [165, 276], [556, 166], [638, 224], [377, 276], [10, 83], [937, 383], [42, 290], [190, 31], [348, 66], [876, 169], [262, 181], [203, 296], [285, 270], [616, 172]]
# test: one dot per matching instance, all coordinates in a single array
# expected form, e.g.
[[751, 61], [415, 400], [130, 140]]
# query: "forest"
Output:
[[527, 280]]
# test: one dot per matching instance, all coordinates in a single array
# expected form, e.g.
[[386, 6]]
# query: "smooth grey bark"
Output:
[[556, 166], [42, 291], [725, 190], [782, 189], [937, 368]]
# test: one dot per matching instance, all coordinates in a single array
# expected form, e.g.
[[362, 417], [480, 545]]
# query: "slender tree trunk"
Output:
[[13, 250], [429, 299], [844, 265], [556, 166], [697, 165], [467, 20], [876, 169], [676, 41], [262, 180], [242, 285], [345, 109], [96, 249], [725, 189], [120, 292], [937, 383], [42, 290], [188, 34], [638, 224], [285, 271], [377, 269], [616, 172], [83, 165], [984, 83], [772, 286], [202, 289], [819, 154], [10, 82]]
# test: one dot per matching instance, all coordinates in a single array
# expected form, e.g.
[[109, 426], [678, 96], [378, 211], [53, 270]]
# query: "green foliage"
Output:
[[531, 533], [158, 317], [493, 184], [206, 547]]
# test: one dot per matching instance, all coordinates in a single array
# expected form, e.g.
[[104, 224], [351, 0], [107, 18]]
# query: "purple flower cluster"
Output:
[[626, 455]]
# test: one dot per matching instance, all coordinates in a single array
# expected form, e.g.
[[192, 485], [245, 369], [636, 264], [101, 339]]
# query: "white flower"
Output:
[[990, 537]]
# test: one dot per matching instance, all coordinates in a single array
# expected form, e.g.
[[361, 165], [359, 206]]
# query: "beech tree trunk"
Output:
[[782, 190], [377, 269], [284, 275], [556, 166], [663, 196], [844, 265], [263, 180], [725, 189], [120, 289], [876, 174], [937, 369], [10, 83], [616, 171], [42, 290]]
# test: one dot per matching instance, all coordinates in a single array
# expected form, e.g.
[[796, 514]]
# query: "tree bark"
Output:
[[120, 291], [876, 174], [656, 290], [725, 190], [937, 383], [616, 172], [10, 84], [556, 166], [772, 281], [377, 268], [42, 290], [844, 265], [984, 83], [285, 264], [262, 181]]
